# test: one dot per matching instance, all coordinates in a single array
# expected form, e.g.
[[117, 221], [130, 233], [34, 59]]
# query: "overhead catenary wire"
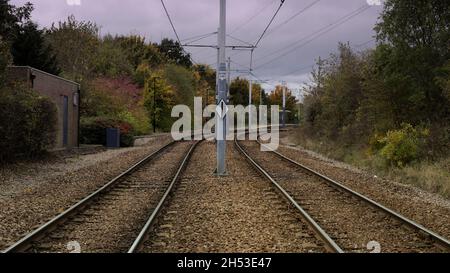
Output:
[[248, 21], [251, 73], [300, 69], [284, 22], [316, 34], [270, 23], [255, 46], [312, 65], [198, 38], [292, 17], [365, 43], [171, 23], [264, 81], [239, 40], [313, 36], [241, 65], [327, 59], [309, 38], [176, 33], [253, 17]]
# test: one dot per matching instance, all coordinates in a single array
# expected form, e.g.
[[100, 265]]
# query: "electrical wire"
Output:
[[253, 17], [270, 23], [315, 35], [176, 33], [198, 37], [292, 17], [239, 40], [171, 23], [311, 34], [365, 43], [283, 23]]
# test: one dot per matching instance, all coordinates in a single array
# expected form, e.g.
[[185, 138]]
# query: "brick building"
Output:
[[64, 93]]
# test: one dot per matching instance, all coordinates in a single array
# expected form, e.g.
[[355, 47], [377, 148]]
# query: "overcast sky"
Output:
[[294, 39]]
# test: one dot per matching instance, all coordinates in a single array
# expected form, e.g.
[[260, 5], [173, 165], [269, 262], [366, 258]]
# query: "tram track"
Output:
[[352, 220], [109, 219]]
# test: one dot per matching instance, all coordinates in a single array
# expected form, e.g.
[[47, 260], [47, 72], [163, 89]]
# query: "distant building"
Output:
[[64, 93]]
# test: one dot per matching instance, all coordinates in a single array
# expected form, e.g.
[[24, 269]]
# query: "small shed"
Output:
[[64, 93]]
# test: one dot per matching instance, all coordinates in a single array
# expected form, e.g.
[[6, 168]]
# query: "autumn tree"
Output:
[[276, 98], [258, 95], [12, 17], [174, 52], [5, 59], [444, 81], [207, 83], [239, 92], [414, 38], [158, 100], [76, 45], [138, 51], [112, 59], [30, 49], [356, 98], [25, 39], [207, 74], [183, 83]]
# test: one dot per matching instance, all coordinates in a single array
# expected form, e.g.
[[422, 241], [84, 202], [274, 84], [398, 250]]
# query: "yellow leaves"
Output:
[[400, 147]]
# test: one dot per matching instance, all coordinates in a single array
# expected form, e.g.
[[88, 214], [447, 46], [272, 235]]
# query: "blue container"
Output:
[[113, 138]]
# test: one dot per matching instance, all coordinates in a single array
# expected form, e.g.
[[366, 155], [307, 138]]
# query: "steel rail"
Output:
[[434, 236], [143, 234], [25, 243], [330, 244]]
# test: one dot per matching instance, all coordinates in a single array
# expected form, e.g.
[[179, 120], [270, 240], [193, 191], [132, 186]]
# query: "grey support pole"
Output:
[[284, 105], [250, 93], [229, 78], [222, 92]]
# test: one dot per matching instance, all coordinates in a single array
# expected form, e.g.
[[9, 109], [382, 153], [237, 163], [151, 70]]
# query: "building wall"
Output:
[[54, 88]]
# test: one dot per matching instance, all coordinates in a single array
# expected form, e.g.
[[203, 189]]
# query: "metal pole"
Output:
[[207, 97], [250, 91], [284, 105], [261, 96], [154, 105], [229, 77], [218, 64], [222, 95], [298, 105]]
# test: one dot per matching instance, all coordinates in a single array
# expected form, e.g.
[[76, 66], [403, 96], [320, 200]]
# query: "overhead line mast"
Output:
[[222, 94]]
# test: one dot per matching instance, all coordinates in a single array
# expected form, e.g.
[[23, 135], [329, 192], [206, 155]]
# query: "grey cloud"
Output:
[[194, 17]]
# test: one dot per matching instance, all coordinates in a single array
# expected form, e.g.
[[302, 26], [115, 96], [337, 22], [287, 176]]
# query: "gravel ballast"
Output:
[[237, 213], [112, 222], [427, 209], [33, 193], [352, 223]]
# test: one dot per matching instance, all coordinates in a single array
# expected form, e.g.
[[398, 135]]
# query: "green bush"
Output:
[[401, 147], [93, 130], [27, 123], [139, 120], [5, 59]]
